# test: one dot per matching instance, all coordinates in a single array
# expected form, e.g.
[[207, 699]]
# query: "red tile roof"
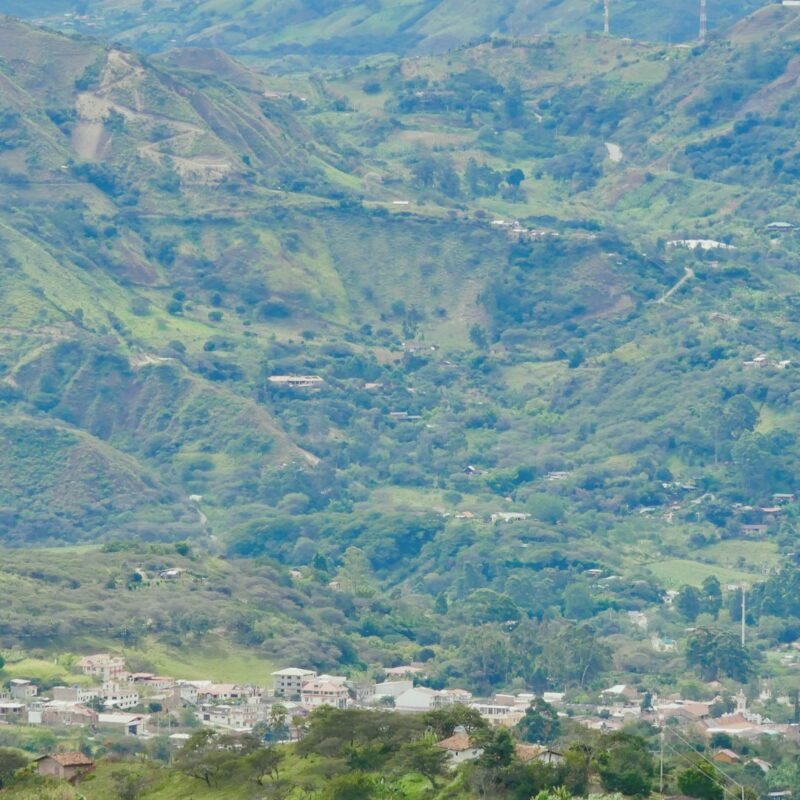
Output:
[[457, 743], [72, 759]]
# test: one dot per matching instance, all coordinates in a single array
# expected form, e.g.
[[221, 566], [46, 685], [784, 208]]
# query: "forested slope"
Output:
[[177, 230]]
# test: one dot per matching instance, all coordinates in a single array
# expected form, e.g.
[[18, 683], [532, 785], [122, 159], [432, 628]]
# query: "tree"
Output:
[[739, 416], [701, 781], [351, 786], [201, 757], [540, 724], [477, 335], [578, 603], [129, 784], [424, 757], [424, 169], [625, 765], [576, 656], [486, 655], [97, 704], [498, 748], [355, 573], [513, 103], [711, 602], [688, 603], [10, 762], [785, 776], [264, 762], [515, 178], [486, 605], [716, 653], [444, 721]]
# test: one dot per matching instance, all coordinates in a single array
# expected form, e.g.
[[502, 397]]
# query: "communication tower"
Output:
[[703, 22]]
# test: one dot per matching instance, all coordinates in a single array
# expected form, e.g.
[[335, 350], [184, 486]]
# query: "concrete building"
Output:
[[289, 682], [321, 692]]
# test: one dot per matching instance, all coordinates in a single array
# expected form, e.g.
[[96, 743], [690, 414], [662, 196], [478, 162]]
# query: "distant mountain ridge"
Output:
[[299, 33]]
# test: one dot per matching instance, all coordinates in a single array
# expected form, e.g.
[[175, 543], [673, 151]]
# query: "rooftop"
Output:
[[74, 759], [293, 672], [457, 743]]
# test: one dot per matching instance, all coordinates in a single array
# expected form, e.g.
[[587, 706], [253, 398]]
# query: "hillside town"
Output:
[[144, 705]]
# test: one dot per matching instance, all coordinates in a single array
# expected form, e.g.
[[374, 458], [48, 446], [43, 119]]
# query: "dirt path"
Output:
[[689, 274], [92, 141]]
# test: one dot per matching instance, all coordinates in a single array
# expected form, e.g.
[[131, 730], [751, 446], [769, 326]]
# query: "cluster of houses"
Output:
[[623, 704], [296, 692], [702, 244], [296, 381], [762, 360], [516, 232], [750, 520]]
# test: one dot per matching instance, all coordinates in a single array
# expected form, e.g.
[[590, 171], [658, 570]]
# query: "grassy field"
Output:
[[41, 670], [214, 659], [675, 572], [738, 552]]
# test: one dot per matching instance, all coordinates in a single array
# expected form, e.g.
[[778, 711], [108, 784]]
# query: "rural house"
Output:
[[65, 766], [459, 749]]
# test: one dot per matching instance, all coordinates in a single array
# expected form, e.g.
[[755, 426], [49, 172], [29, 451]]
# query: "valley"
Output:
[[452, 345]]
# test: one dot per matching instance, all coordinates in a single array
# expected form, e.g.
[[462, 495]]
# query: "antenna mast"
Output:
[[703, 22], [606, 17], [744, 613]]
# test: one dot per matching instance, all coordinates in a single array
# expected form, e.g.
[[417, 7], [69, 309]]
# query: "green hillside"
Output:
[[297, 34], [480, 261]]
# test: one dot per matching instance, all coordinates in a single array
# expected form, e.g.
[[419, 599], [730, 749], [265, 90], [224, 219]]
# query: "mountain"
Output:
[[533, 277], [85, 129], [179, 229], [299, 33]]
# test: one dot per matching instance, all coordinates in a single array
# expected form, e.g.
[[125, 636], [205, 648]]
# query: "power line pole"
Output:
[[606, 17], [744, 613], [703, 21], [661, 762]]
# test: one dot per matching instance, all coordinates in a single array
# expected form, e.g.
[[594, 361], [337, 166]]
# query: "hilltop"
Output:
[[293, 36]]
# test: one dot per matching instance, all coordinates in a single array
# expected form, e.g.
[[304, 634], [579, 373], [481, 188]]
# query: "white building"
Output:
[[22, 689], [297, 381], [321, 692], [392, 688], [232, 717], [119, 695], [459, 749], [289, 682], [498, 714], [420, 698], [129, 724]]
